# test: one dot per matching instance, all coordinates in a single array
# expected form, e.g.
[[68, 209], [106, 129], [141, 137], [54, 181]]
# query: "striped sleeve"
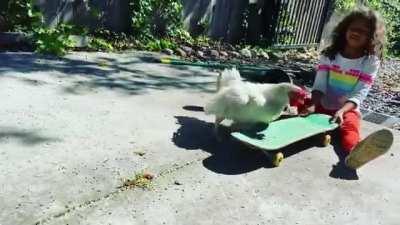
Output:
[[369, 72], [321, 78]]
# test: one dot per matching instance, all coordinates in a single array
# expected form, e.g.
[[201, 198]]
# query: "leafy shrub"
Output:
[[157, 19], [52, 40], [21, 15], [100, 44]]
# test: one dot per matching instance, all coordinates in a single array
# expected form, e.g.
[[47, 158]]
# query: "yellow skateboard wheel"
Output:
[[327, 140], [277, 159]]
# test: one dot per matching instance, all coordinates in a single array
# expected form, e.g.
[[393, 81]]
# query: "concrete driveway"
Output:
[[73, 129]]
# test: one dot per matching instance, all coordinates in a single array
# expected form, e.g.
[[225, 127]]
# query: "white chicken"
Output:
[[246, 102]]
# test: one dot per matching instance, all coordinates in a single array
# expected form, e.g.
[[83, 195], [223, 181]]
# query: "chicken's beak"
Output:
[[297, 98]]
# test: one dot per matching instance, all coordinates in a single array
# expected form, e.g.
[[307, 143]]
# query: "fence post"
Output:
[[235, 31]]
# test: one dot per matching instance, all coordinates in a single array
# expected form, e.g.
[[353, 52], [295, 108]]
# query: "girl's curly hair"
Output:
[[376, 36]]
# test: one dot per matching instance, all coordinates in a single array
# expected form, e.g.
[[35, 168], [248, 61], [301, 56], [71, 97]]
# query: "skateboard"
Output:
[[283, 132], [373, 146]]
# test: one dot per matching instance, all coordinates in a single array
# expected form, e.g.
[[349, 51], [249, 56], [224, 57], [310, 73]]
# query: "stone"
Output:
[[9, 38], [200, 54], [275, 55], [214, 53], [246, 53], [168, 51], [79, 41], [264, 55], [224, 54], [235, 54], [188, 50], [180, 52]]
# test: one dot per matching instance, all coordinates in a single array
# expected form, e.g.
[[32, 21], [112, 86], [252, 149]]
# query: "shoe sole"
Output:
[[376, 144]]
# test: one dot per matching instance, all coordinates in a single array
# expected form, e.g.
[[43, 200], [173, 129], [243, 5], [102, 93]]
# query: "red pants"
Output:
[[349, 130]]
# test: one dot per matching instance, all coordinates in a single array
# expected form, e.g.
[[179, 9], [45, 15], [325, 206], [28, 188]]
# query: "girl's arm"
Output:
[[316, 97], [338, 117], [365, 80], [319, 87], [309, 107], [362, 88], [321, 78]]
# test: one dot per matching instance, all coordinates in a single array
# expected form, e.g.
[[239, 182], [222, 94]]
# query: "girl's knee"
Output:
[[351, 122], [349, 142], [349, 137]]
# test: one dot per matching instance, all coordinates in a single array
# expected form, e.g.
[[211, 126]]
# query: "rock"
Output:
[[285, 57], [246, 53], [264, 55], [235, 54], [224, 54], [79, 41], [302, 50], [200, 54], [140, 153], [168, 51], [204, 48], [181, 53], [148, 175], [214, 53], [9, 38], [302, 56], [254, 53], [314, 54], [188, 50], [394, 102], [276, 55]]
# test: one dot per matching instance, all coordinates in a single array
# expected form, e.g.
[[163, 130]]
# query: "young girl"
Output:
[[345, 73]]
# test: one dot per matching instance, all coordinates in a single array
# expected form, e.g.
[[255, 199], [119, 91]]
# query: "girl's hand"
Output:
[[338, 117], [307, 110]]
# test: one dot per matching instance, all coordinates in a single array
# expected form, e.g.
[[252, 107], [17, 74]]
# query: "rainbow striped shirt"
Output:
[[344, 79]]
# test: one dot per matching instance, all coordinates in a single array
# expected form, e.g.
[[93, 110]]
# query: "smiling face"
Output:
[[358, 34]]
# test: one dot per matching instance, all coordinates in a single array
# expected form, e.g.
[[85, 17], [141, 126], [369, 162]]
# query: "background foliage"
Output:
[[155, 25]]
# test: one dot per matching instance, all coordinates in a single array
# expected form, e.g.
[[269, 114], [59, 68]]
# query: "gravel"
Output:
[[384, 96]]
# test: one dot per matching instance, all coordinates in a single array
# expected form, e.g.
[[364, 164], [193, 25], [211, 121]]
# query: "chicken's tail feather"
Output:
[[227, 77]]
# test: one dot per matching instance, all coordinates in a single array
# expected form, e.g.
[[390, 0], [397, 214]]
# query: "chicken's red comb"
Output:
[[303, 92], [299, 98]]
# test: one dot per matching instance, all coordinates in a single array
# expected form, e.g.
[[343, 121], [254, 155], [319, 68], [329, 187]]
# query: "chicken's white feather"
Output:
[[243, 101]]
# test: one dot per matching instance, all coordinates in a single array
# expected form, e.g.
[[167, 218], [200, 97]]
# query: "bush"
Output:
[[53, 40], [20, 15], [156, 19], [100, 44], [158, 45]]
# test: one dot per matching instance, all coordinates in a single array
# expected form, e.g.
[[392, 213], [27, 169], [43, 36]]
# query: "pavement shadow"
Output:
[[340, 170], [130, 74], [27, 138], [193, 108], [227, 156]]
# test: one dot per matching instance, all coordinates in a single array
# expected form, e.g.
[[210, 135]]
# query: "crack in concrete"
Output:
[[121, 189]]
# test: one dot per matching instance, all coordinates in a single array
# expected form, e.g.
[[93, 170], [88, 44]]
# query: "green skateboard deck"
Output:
[[284, 132], [373, 146]]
